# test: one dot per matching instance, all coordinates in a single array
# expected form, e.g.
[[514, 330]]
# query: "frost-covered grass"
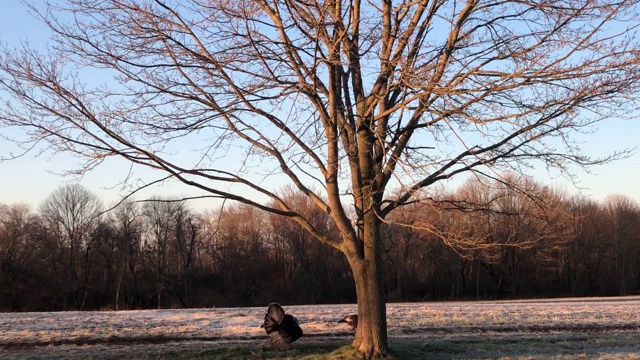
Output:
[[588, 328]]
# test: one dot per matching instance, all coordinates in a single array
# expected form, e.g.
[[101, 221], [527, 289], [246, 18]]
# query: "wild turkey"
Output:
[[283, 328], [351, 319]]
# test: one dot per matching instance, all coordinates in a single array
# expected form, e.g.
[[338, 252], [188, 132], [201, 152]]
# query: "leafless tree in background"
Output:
[[186, 235], [493, 226], [297, 252], [72, 213], [15, 250], [587, 252], [160, 215], [129, 229], [352, 98], [512, 217], [241, 240], [622, 216]]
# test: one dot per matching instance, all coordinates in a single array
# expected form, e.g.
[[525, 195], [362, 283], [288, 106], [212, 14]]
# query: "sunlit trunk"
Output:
[[371, 334]]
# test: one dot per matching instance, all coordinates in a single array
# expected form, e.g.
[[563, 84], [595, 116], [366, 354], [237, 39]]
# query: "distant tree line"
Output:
[[500, 242]]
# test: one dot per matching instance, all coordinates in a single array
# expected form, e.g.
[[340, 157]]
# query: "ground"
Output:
[[587, 328]]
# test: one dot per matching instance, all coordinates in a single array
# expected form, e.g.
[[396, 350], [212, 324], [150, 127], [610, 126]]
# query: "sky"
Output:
[[30, 179]]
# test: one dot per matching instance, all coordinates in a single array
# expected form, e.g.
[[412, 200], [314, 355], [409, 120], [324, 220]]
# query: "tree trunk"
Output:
[[118, 285], [371, 334]]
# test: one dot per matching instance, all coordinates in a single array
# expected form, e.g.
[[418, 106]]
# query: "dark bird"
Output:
[[283, 328], [351, 319]]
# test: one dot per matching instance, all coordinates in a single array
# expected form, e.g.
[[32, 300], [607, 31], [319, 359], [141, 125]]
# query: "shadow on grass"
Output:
[[518, 347], [620, 346], [311, 352]]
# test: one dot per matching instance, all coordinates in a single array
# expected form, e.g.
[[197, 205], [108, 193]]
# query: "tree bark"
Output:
[[371, 334]]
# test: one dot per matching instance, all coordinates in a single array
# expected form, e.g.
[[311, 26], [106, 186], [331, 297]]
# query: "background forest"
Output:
[[71, 254]]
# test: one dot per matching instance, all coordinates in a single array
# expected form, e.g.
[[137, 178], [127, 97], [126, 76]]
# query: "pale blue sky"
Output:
[[31, 179]]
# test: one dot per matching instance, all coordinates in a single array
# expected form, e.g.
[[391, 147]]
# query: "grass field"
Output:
[[588, 328]]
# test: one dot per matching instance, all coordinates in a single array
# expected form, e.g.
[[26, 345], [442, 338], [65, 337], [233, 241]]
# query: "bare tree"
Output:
[[622, 219], [297, 252], [15, 253], [185, 246], [349, 97], [512, 220], [161, 215], [240, 240], [71, 213], [588, 249], [129, 228], [106, 263]]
